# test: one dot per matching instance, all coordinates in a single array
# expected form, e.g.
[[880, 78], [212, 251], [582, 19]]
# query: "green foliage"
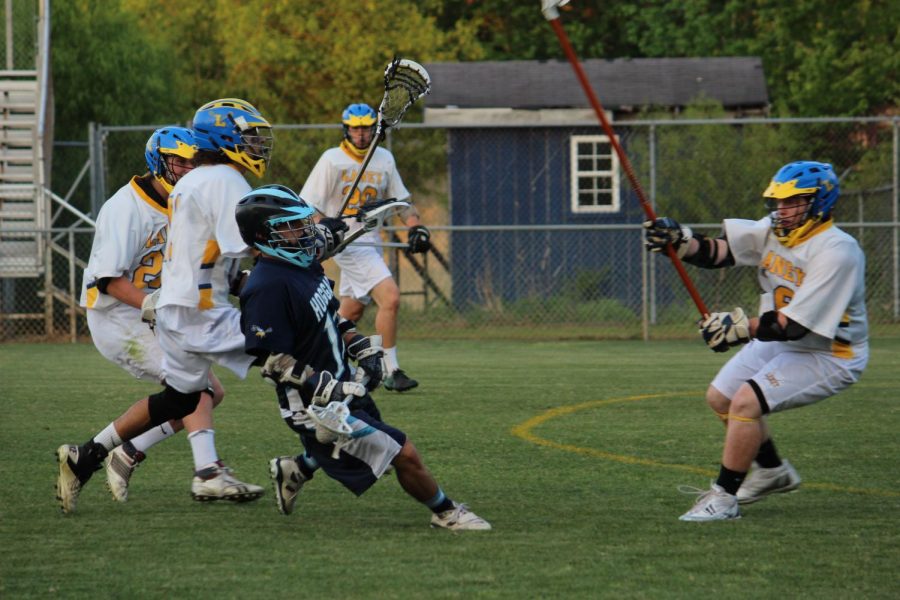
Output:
[[107, 68]]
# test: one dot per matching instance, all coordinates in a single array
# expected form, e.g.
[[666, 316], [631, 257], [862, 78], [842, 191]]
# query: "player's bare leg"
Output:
[[386, 295], [417, 481]]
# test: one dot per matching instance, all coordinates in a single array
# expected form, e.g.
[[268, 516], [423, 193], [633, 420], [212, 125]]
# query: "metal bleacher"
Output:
[[21, 214]]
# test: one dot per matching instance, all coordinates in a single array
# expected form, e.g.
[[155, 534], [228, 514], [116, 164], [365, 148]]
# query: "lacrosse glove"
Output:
[[663, 231], [148, 308], [369, 356], [329, 235], [722, 330], [419, 239]]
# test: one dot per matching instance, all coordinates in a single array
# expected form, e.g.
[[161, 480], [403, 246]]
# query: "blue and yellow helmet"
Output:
[[236, 129], [359, 115], [168, 141], [813, 180]]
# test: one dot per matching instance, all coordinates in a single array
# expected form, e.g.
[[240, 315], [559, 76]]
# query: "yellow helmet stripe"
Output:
[[781, 190]]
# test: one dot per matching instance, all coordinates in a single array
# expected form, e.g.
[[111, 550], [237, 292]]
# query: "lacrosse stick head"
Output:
[[405, 81], [331, 422], [373, 214]]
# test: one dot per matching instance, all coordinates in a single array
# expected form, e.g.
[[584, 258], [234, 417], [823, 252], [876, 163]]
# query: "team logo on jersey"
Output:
[[783, 268], [259, 331], [773, 379]]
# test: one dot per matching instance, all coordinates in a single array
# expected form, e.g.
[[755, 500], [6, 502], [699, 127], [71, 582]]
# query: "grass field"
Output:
[[573, 451]]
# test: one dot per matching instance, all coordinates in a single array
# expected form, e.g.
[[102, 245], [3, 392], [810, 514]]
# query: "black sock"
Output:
[[90, 459], [767, 457], [730, 480]]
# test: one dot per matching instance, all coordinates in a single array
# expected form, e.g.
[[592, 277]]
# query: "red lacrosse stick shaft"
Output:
[[623, 159]]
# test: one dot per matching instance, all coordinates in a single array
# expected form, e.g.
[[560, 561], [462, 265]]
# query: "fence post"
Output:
[[896, 210]]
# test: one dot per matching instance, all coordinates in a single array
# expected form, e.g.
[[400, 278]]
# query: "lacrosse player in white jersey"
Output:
[[364, 274], [196, 325], [124, 267], [809, 342]]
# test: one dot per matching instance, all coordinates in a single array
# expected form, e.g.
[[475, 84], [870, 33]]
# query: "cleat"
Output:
[[217, 483], [119, 467], [459, 518], [762, 482], [68, 485], [288, 480], [397, 381], [714, 504]]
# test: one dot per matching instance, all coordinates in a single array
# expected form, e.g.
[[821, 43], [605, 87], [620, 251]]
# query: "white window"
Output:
[[595, 174]]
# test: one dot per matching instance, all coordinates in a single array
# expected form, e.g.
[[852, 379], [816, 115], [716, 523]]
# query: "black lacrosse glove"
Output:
[[329, 235], [666, 230], [419, 239]]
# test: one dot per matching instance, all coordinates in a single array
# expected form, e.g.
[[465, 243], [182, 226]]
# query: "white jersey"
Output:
[[204, 240], [336, 171], [129, 242], [819, 283]]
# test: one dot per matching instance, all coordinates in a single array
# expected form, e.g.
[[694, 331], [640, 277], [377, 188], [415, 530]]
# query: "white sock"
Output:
[[150, 438], [108, 438], [203, 446], [390, 360]]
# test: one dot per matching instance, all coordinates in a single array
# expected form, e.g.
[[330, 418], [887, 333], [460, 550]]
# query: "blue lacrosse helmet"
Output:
[[358, 115], [811, 179], [236, 129], [168, 141], [277, 222]]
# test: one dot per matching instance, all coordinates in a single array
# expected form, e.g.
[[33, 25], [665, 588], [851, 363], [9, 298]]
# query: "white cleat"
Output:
[[459, 518], [68, 485], [119, 467], [288, 480], [223, 486], [714, 504], [762, 482]]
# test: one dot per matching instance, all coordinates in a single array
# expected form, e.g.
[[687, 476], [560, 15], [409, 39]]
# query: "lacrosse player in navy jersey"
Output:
[[364, 274], [290, 320], [809, 342]]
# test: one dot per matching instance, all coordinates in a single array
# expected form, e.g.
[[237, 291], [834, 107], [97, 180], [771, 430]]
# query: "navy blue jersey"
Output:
[[292, 310]]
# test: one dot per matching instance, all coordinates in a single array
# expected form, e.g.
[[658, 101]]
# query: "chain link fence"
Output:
[[518, 252]]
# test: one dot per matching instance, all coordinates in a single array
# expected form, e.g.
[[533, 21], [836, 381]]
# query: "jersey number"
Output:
[[359, 198]]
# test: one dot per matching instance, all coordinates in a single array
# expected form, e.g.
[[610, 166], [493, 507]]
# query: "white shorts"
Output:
[[787, 377], [362, 268], [121, 337], [192, 340]]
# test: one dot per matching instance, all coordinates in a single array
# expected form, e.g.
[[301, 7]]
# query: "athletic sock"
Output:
[[730, 480], [308, 465], [390, 360], [440, 502], [150, 438], [767, 457], [203, 446], [108, 438]]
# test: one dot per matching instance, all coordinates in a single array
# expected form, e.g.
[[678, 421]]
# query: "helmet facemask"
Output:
[[254, 148], [292, 237], [795, 212]]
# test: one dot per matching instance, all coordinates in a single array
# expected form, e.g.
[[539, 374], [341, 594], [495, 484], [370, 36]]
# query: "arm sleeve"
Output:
[[746, 239], [116, 242], [395, 187], [266, 319], [317, 190]]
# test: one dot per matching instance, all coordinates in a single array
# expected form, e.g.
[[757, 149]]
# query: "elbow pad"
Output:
[[708, 254], [770, 331]]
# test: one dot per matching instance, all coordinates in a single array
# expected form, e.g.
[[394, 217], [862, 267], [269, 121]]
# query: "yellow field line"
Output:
[[525, 431]]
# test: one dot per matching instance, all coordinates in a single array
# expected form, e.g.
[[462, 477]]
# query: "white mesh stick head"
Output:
[[405, 81]]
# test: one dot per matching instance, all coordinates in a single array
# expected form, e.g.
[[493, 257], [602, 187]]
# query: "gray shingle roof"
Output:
[[619, 83]]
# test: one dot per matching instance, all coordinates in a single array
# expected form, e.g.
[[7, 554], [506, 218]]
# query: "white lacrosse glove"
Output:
[[665, 230], [282, 368], [148, 308], [722, 330], [369, 356]]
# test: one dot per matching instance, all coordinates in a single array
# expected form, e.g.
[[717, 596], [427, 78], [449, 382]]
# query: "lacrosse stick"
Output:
[[549, 8], [372, 215], [405, 82], [332, 425]]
